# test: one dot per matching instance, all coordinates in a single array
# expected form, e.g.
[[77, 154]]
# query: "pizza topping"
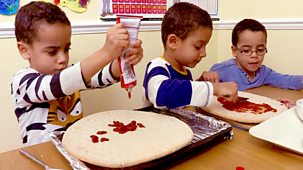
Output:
[[121, 128], [246, 106], [104, 139], [140, 125], [240, 168], [101, 132], [94, 138]]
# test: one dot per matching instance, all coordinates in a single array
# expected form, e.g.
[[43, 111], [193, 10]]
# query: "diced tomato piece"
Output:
[[104, 139], [140, 125], [101, 132], [94, 138]]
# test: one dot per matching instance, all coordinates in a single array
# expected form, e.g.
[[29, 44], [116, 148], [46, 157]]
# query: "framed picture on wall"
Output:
[[149, 9]]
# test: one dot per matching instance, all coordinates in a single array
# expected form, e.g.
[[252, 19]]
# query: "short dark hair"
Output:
[[246, 24], [182, 18], [28, 18]]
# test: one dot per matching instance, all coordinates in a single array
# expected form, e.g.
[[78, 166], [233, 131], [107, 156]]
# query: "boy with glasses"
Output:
[[249, 38]]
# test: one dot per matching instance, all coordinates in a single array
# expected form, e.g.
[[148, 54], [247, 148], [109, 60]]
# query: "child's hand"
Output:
[[286, 102], [211, 76], [135, 53], [116, 41], [228, 90]]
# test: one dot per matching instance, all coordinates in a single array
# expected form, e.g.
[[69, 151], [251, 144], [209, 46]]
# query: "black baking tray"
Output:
[[208, 132]]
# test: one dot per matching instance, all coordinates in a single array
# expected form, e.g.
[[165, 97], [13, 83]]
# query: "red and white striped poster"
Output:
[[149, 8]]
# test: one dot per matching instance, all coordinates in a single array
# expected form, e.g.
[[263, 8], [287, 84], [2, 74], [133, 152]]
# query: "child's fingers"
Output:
[[117, 32], [214, 77], [136, 44], [133, 60], [134, 50], [118, 26], [230, 92], [118, 35], [229, 96], [117, 39], [134, 56], [210, 76]]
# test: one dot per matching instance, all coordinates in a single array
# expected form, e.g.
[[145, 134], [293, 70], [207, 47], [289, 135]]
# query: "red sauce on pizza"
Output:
[[104, 139], [243, 105], [140, 125], [94, 138], [119, 127], [101, 132]]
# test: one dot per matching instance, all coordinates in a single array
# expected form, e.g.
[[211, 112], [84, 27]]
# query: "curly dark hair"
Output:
[[32, 14], [246, 24], [182, 18]]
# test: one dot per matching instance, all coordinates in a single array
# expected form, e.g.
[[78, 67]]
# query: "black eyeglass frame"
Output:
[[250, 51]]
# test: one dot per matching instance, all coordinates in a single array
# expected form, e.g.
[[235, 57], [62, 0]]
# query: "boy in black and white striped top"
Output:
[[46, 95]]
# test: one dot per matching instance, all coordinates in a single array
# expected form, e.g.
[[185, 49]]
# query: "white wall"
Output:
[[238, 9], [10, 61]]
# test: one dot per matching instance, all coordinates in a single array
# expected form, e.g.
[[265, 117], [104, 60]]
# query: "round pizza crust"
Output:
[[162, 135], [217, 109]]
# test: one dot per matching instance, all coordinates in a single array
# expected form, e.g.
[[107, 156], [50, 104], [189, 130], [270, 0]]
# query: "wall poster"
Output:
[[74, 5], [149, 9], [8, 7]]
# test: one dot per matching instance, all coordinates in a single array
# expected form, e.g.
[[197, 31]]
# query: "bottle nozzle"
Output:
[[129, 91]]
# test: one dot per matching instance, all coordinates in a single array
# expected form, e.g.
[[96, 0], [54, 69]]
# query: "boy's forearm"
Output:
[[115, 69], [95, 62]]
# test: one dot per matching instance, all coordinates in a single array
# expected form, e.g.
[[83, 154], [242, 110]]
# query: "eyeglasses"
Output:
[[249, 52]]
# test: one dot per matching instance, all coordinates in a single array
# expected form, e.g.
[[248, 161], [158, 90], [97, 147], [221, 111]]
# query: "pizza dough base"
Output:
[[161, 136], [217, 109]]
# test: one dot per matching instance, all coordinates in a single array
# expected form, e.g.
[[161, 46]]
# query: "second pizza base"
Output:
[[217, 109], [161, 136]]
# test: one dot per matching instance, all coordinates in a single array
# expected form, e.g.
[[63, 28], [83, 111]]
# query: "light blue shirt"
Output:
[[229, 71]]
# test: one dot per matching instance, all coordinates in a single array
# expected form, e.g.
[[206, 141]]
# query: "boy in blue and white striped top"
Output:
[[168, 83]]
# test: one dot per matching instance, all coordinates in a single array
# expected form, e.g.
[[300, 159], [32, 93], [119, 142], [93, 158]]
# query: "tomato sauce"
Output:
[[246, 106], [119, 127]]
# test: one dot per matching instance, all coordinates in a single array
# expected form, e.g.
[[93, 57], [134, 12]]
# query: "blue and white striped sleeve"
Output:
[[202, 94], [163, 91]]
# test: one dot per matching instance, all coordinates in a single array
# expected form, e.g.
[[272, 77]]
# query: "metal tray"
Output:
[[207, 131]]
